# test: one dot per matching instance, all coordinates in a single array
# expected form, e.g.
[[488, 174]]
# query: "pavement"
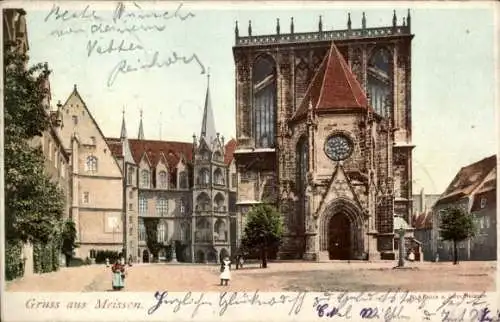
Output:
[[279, 276]]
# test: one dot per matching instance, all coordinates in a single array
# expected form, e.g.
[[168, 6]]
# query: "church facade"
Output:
[[323, 123]]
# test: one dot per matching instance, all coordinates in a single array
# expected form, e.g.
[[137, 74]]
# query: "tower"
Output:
[[210, 220], [324, 132]]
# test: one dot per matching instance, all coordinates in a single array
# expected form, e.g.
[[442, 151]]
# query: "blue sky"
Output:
[[453, 92]]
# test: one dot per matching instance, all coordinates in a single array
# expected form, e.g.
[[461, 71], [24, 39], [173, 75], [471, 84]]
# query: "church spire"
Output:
[[208, 123], [140, 136], [123, 133]]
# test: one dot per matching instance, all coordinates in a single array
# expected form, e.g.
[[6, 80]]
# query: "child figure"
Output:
[[118, 281], [225, 276]]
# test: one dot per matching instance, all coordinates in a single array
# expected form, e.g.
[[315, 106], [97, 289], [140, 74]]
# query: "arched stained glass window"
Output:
[[264, 102]]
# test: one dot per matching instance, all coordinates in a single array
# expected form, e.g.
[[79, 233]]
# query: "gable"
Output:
[[339, 188], [76, 118]]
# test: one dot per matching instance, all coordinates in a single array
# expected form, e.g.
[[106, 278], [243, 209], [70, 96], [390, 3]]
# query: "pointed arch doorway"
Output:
[[341, 230], [339, 237]]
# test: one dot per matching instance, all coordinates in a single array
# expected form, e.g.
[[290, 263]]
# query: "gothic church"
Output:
[[323, 126]]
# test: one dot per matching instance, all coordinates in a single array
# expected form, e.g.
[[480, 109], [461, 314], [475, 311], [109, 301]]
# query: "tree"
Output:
[[263, 230], [34, 205], [152, 236], [456, 225], [68, 240]]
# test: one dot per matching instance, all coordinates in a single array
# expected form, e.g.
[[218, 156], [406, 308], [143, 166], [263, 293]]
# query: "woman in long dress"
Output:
[[225, 275], [118, 280]]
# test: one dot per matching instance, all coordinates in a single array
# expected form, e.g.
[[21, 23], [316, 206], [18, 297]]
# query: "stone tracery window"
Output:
[[219, 177], [264, 102], [162, 180], [162, 232], [204, 177], [220, 230], [379, 81], [203, 202], [302, 170], [219, 202]]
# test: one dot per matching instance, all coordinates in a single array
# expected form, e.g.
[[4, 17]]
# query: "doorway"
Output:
[[339, 237]]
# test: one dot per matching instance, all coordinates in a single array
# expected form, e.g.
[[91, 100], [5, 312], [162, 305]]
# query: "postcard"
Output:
[[248, 161]]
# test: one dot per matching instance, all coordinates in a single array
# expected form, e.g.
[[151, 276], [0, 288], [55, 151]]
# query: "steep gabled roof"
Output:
[[116, 147], [333, 87], [172, 151], [468, 179], [229, 151], [422, 220]]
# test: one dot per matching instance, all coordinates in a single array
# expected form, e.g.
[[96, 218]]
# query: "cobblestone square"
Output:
[[279, 276]]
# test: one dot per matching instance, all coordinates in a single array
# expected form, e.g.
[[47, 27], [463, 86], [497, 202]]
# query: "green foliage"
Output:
[[154, 246], [69, 238], [457, 224], [14, 264], [33, 204], [101, 255], [46, 256], [263, 230]]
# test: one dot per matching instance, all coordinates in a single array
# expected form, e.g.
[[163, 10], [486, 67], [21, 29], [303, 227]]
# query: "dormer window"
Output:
[[483, 203], [130, 175], [162, 180], [75, 120], [217, 156], [205, 155], [144, 179], [183, 180]]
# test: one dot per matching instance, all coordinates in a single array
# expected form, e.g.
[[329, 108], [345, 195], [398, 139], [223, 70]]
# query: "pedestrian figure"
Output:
[[241, 261], [411, 256], [225, 274], [118, 280], [130, 260], [437, 257], [107, 262]]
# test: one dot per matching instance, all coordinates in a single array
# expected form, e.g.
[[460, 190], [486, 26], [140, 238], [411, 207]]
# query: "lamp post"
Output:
[[174, 256], [401, 260]]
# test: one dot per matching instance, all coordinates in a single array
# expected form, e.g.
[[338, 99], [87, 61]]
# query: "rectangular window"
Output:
[[86, 197], [143, 205], [161, 207], [234, 180], [62, 169], [131, 231], [131, 195], [182, 206], [142, 230], [75, 120], [130, 206]]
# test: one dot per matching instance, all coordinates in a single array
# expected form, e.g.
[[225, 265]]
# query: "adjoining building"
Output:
[[422, 222], [474, 190], [120, 183], [323, 126]]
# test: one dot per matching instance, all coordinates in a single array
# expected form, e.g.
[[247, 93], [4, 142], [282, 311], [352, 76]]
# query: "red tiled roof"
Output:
[[156, 149], [333, 87], [422, 220], [229, 150], [116, 147], [467, 179]]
